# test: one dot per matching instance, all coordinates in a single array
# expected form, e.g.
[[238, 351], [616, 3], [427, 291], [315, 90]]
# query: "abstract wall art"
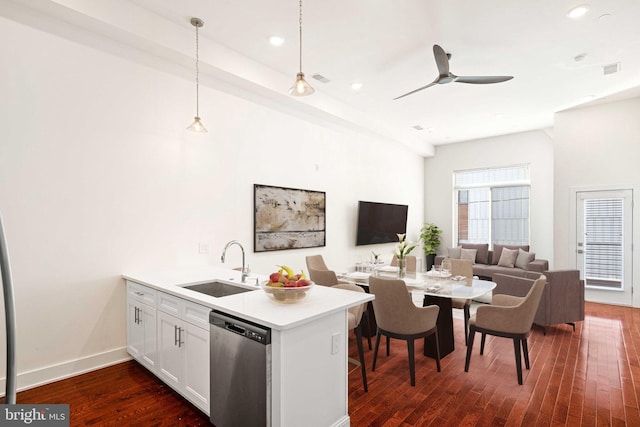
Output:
[[288, 218]]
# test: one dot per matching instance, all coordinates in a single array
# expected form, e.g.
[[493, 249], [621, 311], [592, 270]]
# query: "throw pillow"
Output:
[[524, 258], [468, 254], [454, 253], [482, 255], [508, 257], [497, 251]]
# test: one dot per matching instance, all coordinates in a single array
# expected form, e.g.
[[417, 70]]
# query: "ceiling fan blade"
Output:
[[482, 79], [417, 90], [441, 60]]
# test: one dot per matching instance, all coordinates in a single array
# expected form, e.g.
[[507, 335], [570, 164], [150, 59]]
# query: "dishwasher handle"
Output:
[[242, 327], [235, 328]]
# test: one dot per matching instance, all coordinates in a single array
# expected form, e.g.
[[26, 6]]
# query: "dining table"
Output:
[[433, 288]]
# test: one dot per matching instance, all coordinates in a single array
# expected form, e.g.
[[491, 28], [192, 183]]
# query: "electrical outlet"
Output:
[[203, 248], [335, 343]]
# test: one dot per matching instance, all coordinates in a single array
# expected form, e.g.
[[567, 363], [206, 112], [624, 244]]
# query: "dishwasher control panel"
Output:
[[242, 327]]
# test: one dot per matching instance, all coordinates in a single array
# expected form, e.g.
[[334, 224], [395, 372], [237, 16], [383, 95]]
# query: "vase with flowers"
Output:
[[403, 249]]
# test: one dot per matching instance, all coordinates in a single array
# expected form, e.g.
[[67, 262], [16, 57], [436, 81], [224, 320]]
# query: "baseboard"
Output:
[[61, 371], [343, 422]]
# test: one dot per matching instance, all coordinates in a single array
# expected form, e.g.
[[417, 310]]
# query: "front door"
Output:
[[604, 245]]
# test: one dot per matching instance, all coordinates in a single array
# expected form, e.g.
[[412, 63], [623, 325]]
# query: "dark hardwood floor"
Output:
[[590, 377]]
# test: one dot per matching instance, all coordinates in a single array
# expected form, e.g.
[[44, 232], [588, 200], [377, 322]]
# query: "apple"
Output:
[[275, 277], [303, 282], [290, 284], [282, 279]]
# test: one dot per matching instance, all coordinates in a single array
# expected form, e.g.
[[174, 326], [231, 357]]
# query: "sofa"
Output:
[[562, 299], [487, 262]]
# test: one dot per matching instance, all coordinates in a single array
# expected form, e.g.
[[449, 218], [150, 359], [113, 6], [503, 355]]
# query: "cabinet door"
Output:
[[169, 350], [147, 317], [135, 331], [196, 365]]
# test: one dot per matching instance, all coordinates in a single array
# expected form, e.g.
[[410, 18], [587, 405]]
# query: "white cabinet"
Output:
[[141, 324], [183, 348]]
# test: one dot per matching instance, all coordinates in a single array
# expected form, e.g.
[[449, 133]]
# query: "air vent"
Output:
[[418, 127], [321, 78], [611, 68]]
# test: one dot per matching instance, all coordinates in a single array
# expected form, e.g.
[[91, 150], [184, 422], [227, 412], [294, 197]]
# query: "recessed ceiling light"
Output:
[[276, 40], [578, 11], [498, 115], [587, 98], [356, 85]]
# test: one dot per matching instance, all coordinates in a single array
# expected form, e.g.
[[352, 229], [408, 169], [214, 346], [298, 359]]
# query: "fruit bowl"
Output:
[[284, 294]]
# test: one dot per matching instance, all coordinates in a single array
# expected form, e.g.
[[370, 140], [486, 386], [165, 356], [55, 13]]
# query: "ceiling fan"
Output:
[[445, 76]]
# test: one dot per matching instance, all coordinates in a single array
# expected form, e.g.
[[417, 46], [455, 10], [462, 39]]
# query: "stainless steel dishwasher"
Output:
[[240, 372]]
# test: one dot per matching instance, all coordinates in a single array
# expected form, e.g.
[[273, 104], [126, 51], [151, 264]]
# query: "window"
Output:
[[492, 205]]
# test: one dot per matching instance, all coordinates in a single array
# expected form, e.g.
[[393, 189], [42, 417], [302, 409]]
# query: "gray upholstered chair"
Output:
[[462, 267], [562, 299], [316, 262], [398, 317], [410, 260], [354, 319], [323, 277], [509, 317]]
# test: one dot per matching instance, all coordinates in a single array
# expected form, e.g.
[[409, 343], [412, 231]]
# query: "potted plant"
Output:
[[430, 236]]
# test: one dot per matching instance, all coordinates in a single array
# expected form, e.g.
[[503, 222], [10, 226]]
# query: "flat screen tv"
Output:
[[380, 222]]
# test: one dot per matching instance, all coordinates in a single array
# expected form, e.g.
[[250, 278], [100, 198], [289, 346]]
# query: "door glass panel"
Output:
[[604, 243]]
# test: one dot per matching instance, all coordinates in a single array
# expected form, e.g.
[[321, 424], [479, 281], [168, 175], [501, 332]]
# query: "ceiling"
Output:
[[387, 46]]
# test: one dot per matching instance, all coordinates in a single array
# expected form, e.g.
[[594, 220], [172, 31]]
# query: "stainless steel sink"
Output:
[[217, 289]]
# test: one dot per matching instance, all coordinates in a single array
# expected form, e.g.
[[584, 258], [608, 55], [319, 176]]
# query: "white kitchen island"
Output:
[[309, 340]]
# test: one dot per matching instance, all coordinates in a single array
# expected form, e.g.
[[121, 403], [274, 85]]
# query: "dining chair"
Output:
[[323, 277], [316, 262], [410, 262], [508, 316], [354, 322], [329, 278], [398, 317], [462, 267]]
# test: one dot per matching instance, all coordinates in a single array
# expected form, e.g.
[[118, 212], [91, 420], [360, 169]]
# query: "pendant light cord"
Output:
[[300, 22], [197, 74]]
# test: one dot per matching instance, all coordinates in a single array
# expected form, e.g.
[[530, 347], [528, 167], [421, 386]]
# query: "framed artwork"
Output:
[[288, 218]]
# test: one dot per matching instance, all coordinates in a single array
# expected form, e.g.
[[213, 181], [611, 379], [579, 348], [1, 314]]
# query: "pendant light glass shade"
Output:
[[300, 87], [197, 125]]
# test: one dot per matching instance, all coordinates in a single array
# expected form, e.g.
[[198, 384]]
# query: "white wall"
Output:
[[534, 148], [595, 146], [98, 176]]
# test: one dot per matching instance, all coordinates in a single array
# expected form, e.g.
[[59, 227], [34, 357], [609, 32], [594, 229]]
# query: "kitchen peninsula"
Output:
[[168, 333]]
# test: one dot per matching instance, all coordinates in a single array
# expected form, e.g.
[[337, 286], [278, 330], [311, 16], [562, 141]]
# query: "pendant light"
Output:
[[301, 87], [197, 125]]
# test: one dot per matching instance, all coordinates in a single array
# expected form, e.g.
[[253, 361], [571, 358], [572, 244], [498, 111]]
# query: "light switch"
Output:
[[335, 343], [203, 248]]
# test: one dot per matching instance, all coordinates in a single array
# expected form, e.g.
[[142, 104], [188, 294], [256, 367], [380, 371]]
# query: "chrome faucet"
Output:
[[224, 252]]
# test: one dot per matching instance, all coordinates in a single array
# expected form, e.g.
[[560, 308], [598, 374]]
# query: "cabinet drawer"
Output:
[[169, 303], [195, 314], [142, 293]]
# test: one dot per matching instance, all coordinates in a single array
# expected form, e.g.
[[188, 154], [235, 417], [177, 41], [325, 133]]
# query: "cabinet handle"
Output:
[[180, 342], [139, 293], [175, 335], [135, 316]]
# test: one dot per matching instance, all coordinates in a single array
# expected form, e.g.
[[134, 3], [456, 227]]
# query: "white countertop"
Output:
[[255, 305]]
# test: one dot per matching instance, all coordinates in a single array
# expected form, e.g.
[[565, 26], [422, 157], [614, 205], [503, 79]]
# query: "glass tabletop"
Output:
[[427, 284]]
